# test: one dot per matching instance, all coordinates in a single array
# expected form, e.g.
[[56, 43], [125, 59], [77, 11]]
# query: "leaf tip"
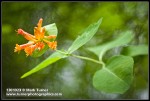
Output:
[[100, 20], [23, 76]]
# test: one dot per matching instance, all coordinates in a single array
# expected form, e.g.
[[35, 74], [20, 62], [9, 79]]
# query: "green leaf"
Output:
[[116, 77], [37, 52], [51, 29], [87, 34], [51, 59], [135, 50], [123, 39]]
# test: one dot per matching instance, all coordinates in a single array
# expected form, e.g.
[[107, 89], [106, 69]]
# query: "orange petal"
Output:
[[39, 31], [17, 48], [29, 50], [52, 45], [26, 35], [21, 47], [50, 37], [40, 45], [40, 23]]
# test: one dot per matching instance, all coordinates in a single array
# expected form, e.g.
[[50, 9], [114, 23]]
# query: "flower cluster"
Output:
[[36, 41]]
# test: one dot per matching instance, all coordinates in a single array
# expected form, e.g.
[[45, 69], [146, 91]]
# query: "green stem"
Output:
[[89, 59], [84, 58], [62, 52]]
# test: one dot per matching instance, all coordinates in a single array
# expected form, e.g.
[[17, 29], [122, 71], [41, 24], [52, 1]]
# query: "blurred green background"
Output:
[[71, 76]]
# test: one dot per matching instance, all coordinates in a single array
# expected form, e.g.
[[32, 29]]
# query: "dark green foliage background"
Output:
[[71, 76]]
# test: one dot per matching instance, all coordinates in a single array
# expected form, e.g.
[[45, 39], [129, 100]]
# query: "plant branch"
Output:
[[84, 58], [89, 59]]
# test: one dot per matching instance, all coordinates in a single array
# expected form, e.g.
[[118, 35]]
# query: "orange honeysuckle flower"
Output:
[[26, 35], [39, 31], [36, 41], [30, 49], [20, 47], [53, 45]]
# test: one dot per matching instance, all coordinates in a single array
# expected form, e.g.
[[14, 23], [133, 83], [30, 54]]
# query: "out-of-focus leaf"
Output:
[[51, 59], [116, 77], [135, 50], [87, 34], [51, 29], [6, 29], [123, 39]]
